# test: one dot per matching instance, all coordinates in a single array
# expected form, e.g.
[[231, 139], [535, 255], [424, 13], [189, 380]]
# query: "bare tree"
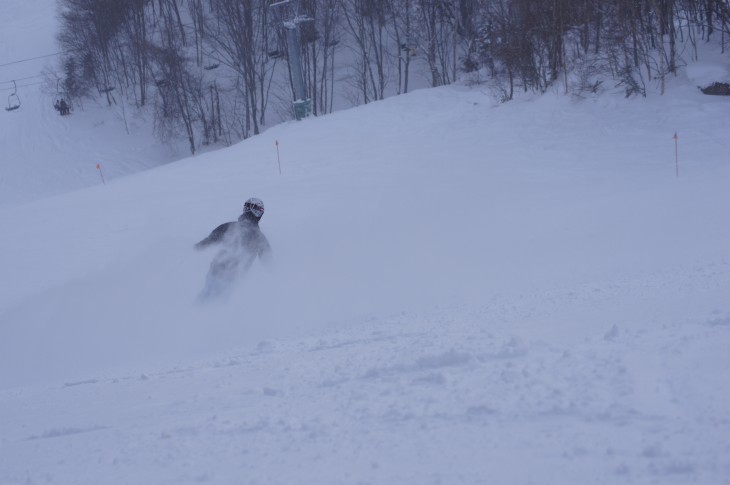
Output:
[[209, 67], [237, 39]]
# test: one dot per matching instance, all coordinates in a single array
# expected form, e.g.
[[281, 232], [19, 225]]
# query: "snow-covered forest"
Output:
[[217, 71]]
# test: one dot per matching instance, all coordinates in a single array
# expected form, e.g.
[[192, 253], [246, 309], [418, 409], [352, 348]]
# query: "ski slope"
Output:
[[42, 153], [463, 292]]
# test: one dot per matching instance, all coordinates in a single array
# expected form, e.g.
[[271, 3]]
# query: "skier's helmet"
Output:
[[255, 207]]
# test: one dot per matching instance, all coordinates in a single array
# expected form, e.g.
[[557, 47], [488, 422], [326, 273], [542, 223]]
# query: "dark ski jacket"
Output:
[[244, 233]]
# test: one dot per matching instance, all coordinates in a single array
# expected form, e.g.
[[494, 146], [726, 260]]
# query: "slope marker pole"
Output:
[[98, 167], [676, 153], [277, 155]]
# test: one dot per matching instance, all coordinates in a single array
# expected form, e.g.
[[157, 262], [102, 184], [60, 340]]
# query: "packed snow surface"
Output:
[[462, 292]]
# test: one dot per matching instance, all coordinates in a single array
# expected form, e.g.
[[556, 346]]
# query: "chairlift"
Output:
[[160, 82], [409, 47], [276, 54], [13, 99], [63, 103], [63, 108]]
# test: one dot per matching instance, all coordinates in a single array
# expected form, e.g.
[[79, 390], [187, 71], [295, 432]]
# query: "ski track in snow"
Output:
[[473, 387], [551, 343]]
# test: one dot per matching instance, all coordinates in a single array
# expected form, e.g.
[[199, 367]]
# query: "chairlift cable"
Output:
[[9, 81], [33, 58], [22, 86]]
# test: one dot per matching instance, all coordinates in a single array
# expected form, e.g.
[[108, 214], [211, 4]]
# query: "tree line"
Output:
[[215, 71]]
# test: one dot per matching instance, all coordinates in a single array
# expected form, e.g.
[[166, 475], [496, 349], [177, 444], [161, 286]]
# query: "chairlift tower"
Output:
[[290, 20]]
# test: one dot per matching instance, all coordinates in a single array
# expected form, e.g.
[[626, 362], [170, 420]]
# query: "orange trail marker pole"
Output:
[[98, 167], [676, 153], [277, 155]]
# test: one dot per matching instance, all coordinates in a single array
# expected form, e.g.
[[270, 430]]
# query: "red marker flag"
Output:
[[278, 158], [98, 167], [676, 153]]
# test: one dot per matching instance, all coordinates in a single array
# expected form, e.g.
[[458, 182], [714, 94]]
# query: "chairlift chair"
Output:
[[13, 102], [210, 62], [409, 49], [61, 95], [13, 99]]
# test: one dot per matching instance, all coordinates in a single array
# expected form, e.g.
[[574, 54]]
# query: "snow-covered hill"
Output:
[[463, 292], [42, 153]]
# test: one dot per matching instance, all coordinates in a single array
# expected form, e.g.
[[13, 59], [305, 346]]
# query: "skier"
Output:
[[63, 108], [241, 242]]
